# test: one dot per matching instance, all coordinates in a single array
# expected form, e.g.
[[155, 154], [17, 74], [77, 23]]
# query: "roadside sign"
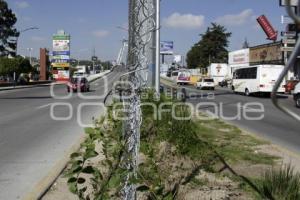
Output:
[[289, 41], [288, 34], [61, 64], [284, 3], [287, 49], [286, 19]]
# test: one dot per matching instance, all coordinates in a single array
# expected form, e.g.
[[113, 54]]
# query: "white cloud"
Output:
[[185, 21], [37, 38], [100, 33], [236, 19], [22, 4]]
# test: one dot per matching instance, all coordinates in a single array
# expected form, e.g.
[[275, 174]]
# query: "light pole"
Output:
[[22, 31], [30, 50]]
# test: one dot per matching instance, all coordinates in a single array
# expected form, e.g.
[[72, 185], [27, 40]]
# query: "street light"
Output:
[[22, 31], [30, 49]]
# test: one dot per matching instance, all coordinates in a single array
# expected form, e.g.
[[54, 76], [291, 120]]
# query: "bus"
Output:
[[257, 79]]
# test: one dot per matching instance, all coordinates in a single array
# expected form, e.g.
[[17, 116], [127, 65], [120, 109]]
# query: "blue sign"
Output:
[[166, 47], [59, 53], [60, 60]]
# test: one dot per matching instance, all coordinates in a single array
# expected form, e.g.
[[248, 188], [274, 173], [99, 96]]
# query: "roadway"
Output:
[[31, 141], [274, 126]]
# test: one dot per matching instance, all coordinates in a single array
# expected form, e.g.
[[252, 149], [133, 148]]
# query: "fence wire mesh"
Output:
[[140, 41]]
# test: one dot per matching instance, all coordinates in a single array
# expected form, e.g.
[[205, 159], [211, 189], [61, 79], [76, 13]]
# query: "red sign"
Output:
[[267, 27]]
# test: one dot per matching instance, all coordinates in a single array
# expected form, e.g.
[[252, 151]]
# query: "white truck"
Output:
[[219, 72], [82, 71], [297, 95]]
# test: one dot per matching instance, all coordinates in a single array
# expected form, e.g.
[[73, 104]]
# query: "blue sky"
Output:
[[92, 23]]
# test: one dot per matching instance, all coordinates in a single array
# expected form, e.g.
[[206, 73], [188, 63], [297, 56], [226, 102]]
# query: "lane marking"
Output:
[[44, 106]]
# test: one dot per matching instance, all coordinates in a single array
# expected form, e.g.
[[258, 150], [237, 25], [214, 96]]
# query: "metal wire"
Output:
[[141, 27], [290, 64]]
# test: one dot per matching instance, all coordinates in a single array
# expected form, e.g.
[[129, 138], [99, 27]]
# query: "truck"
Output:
[[219, 72], [297, 95], [81, 71]]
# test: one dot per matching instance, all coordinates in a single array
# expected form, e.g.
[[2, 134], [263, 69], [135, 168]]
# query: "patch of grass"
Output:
[[282, 184]]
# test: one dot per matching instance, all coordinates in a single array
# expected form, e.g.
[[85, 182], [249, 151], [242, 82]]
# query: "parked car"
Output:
[[290, 86], [78, 84], [206, 83], [297, 95]]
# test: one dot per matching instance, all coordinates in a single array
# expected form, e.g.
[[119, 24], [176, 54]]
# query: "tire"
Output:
[[297, 101], [247, 93]]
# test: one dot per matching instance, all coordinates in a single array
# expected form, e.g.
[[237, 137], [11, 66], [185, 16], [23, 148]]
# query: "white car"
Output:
[[206, 83], [297, 95]]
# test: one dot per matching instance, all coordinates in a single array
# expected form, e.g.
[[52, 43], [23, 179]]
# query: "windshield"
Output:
[[209, 80]]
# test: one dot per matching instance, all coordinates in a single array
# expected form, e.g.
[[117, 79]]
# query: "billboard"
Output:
[[240, 57], [61, 45], [267, 54], [61, 55], [166, 47]]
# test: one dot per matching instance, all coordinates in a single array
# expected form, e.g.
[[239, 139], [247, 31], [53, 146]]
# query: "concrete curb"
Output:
[[24, 87], [43, 185], [41, 188], [244, 130]]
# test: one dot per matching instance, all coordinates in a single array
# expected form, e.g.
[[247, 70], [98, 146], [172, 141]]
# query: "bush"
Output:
[[282, 184]]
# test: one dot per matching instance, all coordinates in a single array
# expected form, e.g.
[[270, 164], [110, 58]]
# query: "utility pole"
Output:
[[157, 58]]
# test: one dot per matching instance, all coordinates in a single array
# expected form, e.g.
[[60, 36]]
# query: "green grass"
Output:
[[282, 184]]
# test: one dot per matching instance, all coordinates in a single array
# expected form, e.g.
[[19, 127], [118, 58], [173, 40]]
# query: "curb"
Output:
[[25, 87], [41, 188], [245, 130], [43, 185]]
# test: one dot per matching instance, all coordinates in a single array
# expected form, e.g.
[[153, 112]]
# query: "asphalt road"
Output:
[[31, 141], [274, 126]]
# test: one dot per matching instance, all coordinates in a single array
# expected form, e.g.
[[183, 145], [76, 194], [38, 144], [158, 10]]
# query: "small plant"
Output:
[[282, 184]]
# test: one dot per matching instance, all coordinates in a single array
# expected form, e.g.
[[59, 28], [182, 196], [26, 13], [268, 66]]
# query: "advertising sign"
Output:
[[60, 61], [61, 57], [266, 54], [61, 37], [166, 47], [61, 64], [60, 53], [267, 27], [239, 57], [63, 75], [61, 45]]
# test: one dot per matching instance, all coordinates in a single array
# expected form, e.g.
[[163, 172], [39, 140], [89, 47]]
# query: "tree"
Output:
[[18, 65], [8, 33], [211, 48]]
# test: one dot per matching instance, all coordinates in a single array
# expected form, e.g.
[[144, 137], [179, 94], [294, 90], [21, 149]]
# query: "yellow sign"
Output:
[[61, 64]]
